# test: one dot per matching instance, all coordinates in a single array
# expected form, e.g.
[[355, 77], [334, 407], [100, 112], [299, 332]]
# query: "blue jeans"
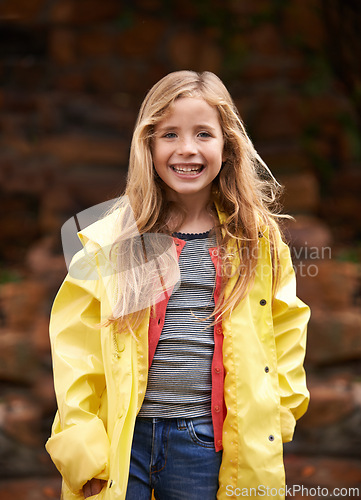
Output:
[[175, 457]]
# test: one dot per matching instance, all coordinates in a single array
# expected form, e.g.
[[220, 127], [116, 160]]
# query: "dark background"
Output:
[[73, 74]]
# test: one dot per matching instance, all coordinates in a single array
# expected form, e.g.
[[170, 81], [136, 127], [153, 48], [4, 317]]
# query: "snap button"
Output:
[[217, 408], [219, 442], [215, 253], [271, 437], [263, 302], [219, 331], [217, 370]]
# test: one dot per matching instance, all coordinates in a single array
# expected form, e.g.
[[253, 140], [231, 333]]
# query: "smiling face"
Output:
[[188, 147]]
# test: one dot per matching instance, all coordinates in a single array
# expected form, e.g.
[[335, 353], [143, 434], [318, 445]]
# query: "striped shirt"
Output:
[[179, 379]]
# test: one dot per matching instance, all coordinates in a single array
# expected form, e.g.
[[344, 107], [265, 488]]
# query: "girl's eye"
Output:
[[170, 135], [204, 134]]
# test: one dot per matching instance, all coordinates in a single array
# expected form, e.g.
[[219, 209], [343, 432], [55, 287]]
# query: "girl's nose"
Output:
[[187, 146]]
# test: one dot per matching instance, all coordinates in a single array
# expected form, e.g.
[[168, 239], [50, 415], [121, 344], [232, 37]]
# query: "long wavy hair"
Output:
[[244, 189]]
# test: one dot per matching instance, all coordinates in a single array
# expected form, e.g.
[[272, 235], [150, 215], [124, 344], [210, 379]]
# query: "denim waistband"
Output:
[[178, 420]]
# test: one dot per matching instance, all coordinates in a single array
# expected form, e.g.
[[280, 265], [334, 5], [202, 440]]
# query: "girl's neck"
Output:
[[197, 224], [197, 219]]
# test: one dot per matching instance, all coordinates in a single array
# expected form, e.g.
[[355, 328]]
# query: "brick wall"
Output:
[[73, 74]]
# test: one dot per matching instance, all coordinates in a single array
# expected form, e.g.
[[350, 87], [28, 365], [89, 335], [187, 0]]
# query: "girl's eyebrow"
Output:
[[166, 128], [200, 126]]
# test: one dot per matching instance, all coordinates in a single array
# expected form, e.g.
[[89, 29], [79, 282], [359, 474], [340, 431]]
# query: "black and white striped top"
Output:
[[179, 381]]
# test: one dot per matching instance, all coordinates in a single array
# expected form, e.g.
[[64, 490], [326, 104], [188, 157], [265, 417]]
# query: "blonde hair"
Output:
[[244, 190]]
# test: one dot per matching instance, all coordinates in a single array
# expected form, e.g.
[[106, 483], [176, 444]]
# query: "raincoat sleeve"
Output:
[[79, 444], [290, 318]]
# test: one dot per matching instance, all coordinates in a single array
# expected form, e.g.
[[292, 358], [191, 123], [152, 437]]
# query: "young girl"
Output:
[[191, 394]]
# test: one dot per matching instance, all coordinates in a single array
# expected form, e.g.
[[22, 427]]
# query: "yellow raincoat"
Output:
[[100, 381]]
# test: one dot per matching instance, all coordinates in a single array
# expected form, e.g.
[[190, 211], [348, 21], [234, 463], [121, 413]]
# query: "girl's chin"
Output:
[[178, 191]]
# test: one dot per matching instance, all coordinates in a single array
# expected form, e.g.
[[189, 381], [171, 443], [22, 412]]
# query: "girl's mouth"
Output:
[[187, 169]]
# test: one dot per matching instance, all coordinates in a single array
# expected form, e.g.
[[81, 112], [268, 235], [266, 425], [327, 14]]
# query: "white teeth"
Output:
[[188, 170]]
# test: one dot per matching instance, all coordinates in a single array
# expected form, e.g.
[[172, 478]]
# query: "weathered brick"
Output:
[[71, 80], [322, 471], [278, 118], [90, 186], [44, 394], [102, 78], [20, 419], [95, 43], [327, 284], [301, 193], [18, 361], [330, 403], [334, 336], [302, 23], [47, 488], [309, 237], [264, 40], [84, 12], [21, 10], [20, 301], [43, 259], [141, 38], [191, 50], [62, 46], [19, 227], [74, 73], [82, 148]]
